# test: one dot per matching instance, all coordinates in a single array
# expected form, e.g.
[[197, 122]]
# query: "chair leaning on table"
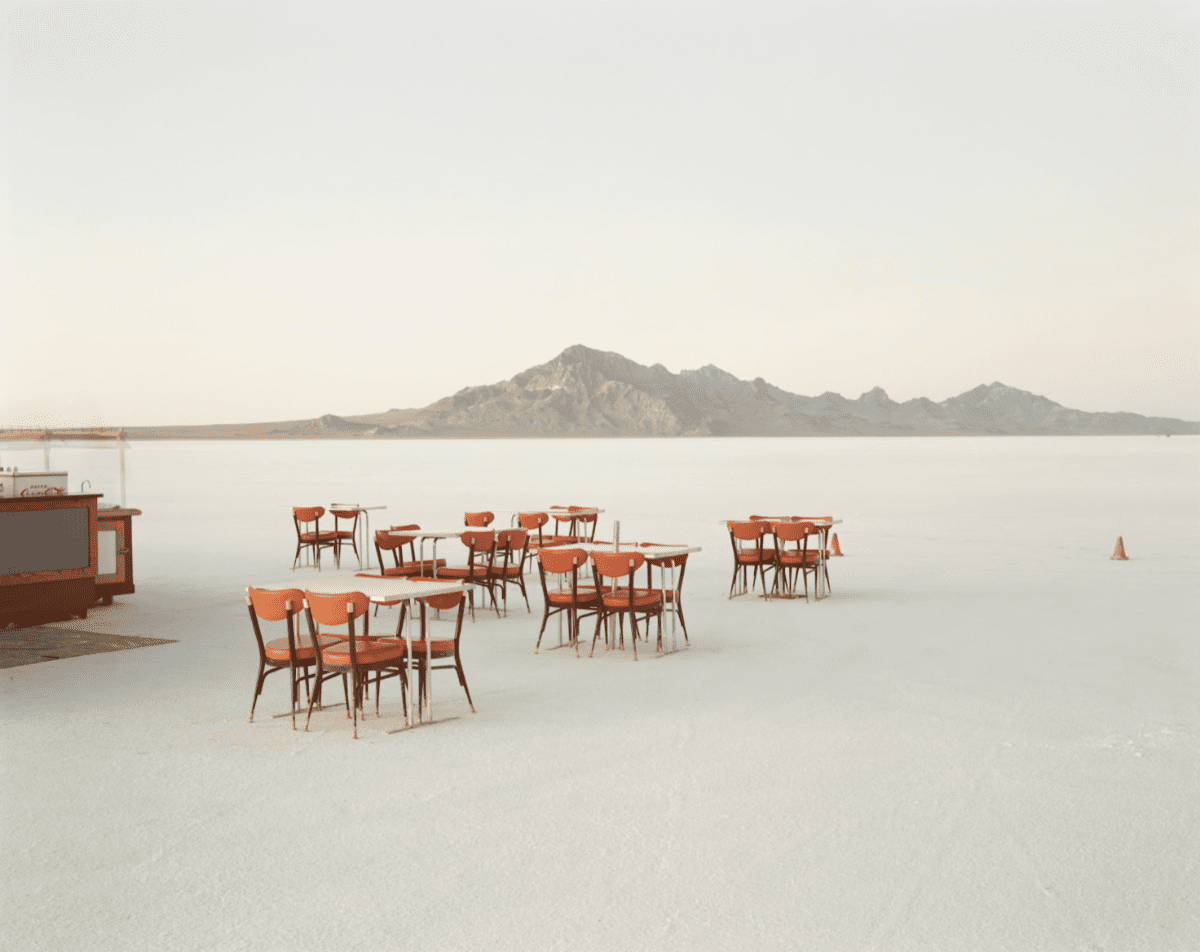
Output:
[[356, 655], [756, 557], [423, 654], [386, 540], [294, 653], [580, 601], [624, 601], [314, 539], [793, 557]]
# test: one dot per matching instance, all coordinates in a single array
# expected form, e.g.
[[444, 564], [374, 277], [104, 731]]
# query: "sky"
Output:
[[243, 212]]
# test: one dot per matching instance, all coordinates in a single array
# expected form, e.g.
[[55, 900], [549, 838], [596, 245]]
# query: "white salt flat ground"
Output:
[[987, 739]]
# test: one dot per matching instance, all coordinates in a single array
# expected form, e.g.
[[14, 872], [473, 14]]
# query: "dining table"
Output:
[[388, 591], [435, 535], [823, 525], [558, 513]]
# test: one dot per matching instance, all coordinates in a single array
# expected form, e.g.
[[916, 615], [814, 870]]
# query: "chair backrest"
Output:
[[561, 561], [481, 542], [479, 539], [792, 531], [384, 542], [617, 564], [533, 522], [344, 514], [275, 605], [445, 601], [478, 519], [384, 539], [513, 540], [333, 610], [593, 519], [307, 514], [749, 531]]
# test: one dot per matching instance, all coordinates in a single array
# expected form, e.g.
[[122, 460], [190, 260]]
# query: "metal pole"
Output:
[[122, 451]]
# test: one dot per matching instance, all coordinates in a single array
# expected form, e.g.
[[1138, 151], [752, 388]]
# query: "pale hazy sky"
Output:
[[256, 211]]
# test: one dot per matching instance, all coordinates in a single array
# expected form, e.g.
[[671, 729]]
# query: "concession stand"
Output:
[[61, 552]]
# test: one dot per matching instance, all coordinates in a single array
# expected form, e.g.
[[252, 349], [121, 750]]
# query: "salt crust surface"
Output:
[[986, 739]]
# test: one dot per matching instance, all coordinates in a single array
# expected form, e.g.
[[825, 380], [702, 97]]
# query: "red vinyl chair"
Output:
[[341, 517], [576, 602], [512, 546], [673, 597], [478, 520], [750, 554], [423, 654], [294, 654], [794, 558], [481, 550], [314, 539], [624, 601], [354, 655], [404, 567]]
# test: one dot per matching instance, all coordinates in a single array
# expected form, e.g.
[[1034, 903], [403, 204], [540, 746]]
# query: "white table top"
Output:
[[812, 519], [432, 533], [376, 589], [651, 550]]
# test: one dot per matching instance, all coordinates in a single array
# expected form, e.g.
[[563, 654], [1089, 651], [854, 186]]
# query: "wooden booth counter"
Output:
[[59, 554]]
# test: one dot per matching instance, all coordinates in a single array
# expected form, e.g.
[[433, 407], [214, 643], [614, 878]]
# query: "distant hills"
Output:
[[591, 393]]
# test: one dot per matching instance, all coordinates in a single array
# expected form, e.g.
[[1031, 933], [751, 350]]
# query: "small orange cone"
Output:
[[1119, 551], [836, 549]]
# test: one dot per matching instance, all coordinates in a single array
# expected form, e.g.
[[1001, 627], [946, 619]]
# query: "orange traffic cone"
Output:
[[1119, 551], [836, 547]]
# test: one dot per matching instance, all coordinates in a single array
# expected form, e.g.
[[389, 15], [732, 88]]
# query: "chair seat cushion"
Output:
[[368, 651], [668, 594], [322, 536], [425, 565], [277, 650], [640, 599], [397, 571], [751, 556], [440, 649], [564, 598], [799, 558], [461, 571], [509, 571]]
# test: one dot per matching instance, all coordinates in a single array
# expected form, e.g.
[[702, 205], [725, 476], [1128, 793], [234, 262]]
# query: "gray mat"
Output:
[[20, 646]]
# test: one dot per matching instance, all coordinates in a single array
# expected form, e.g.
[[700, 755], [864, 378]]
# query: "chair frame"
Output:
[[790, 563], [476, 541], [354, 605], [342, 535], [750, 531], [506, 540], [616, 565], [315, 540], [418, 658], [673, 596], [293, 600], [589, 600]]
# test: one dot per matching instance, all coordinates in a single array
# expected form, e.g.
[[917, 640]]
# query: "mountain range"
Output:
[[589, 393]]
